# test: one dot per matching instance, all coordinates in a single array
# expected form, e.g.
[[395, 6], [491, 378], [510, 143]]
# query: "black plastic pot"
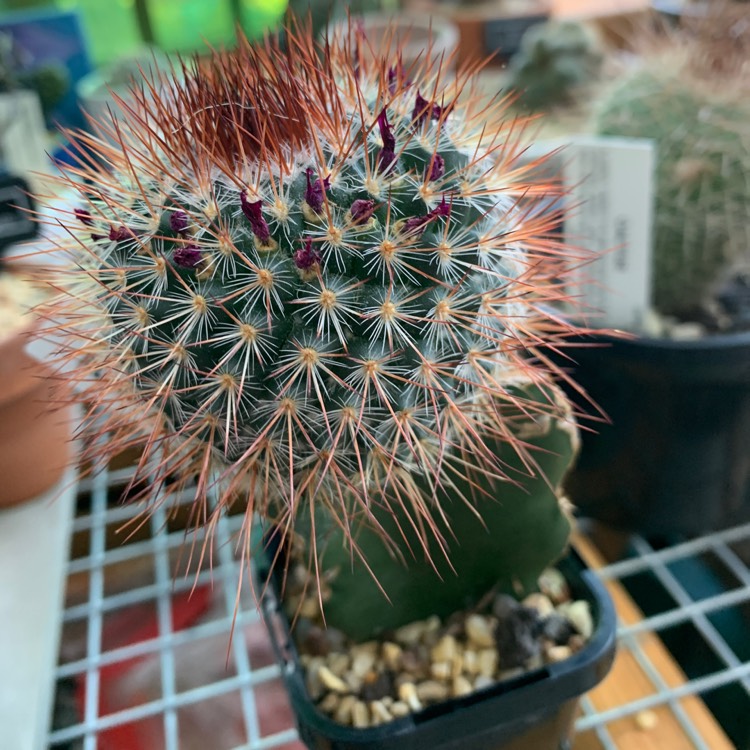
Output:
[[676, 456], [534, 711]]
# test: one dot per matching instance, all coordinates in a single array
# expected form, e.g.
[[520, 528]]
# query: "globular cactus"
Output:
[[555, 60], [698, 118], [316, 282]]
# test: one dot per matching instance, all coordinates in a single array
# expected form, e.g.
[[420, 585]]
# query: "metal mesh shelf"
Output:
[[179, 667]]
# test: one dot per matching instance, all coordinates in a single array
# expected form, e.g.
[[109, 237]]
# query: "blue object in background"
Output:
[[50, 36]]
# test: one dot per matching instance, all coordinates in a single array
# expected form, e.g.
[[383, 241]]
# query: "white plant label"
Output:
[[610, 214]]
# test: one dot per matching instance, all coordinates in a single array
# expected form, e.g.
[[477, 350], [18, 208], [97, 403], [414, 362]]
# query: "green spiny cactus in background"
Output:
[[554, 61], [701, 128], [314, 282]]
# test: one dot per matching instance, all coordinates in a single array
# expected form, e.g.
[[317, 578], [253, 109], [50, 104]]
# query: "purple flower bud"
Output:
[[254, 214], [187, 256], [178, 221], [424, 110], [316, 190], [119, 234], [362, 211], [395, 76], [84, 217], [386, 131], [387, 154], [417, 224], [306, 257], [437, 168], [392, 81], [421, 110], [442, 209]]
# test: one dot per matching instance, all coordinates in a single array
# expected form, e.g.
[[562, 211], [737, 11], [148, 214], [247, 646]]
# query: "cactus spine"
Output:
[[312, 283]]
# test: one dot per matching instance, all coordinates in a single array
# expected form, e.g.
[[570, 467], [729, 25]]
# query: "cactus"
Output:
[[554, 61], [702, 196], [312, 281]]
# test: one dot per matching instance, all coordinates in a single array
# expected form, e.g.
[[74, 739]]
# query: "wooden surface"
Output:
[[656, 729]]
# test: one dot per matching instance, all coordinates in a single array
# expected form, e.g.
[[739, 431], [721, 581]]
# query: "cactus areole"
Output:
[[314, 282]]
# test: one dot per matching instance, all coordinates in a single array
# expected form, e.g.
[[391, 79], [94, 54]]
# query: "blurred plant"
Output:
[[555, 61], [310, 280], [49, 80], [691, 96]]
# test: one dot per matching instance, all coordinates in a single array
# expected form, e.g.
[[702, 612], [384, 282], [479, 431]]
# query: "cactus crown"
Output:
[[310, 277]]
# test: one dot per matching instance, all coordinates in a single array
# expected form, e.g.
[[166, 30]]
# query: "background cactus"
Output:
[[691, 99], [316, 285], [555, 60]]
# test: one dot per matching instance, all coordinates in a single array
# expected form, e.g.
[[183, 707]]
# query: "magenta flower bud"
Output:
[[119, 234], [254, 214], [187, 256], [387, 154], [437, 168], [417, 224], [84, 217], [316, 190], [362, 211], [395, 76], [305, 258], [421, 110], [178, 221]]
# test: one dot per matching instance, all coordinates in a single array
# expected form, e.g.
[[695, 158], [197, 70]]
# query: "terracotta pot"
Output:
[[35, 432]]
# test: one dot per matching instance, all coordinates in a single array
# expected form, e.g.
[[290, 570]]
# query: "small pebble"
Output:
[[579, 613], [343, 714], [432, 691], [479, 631], [471, 662], [488, 659], [552, 583], [376, 686], [392, 655], [558, 653], [380, 713], [687, 331], [558, 629], [353, 680], [400, 709], [408, 694], [363, 662], [461, 686], [360, 715], [330, 703], [411, 634], [541, 603], [338, 663], [332, 681], [445, 650], [441, 670], [517, 637], [416, 661]]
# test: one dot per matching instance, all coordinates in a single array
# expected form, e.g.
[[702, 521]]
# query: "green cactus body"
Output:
[[311, 285], [702, 200], [554, 61]]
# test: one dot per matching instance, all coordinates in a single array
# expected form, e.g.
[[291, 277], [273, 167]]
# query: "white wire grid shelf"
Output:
[[180, 669]]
